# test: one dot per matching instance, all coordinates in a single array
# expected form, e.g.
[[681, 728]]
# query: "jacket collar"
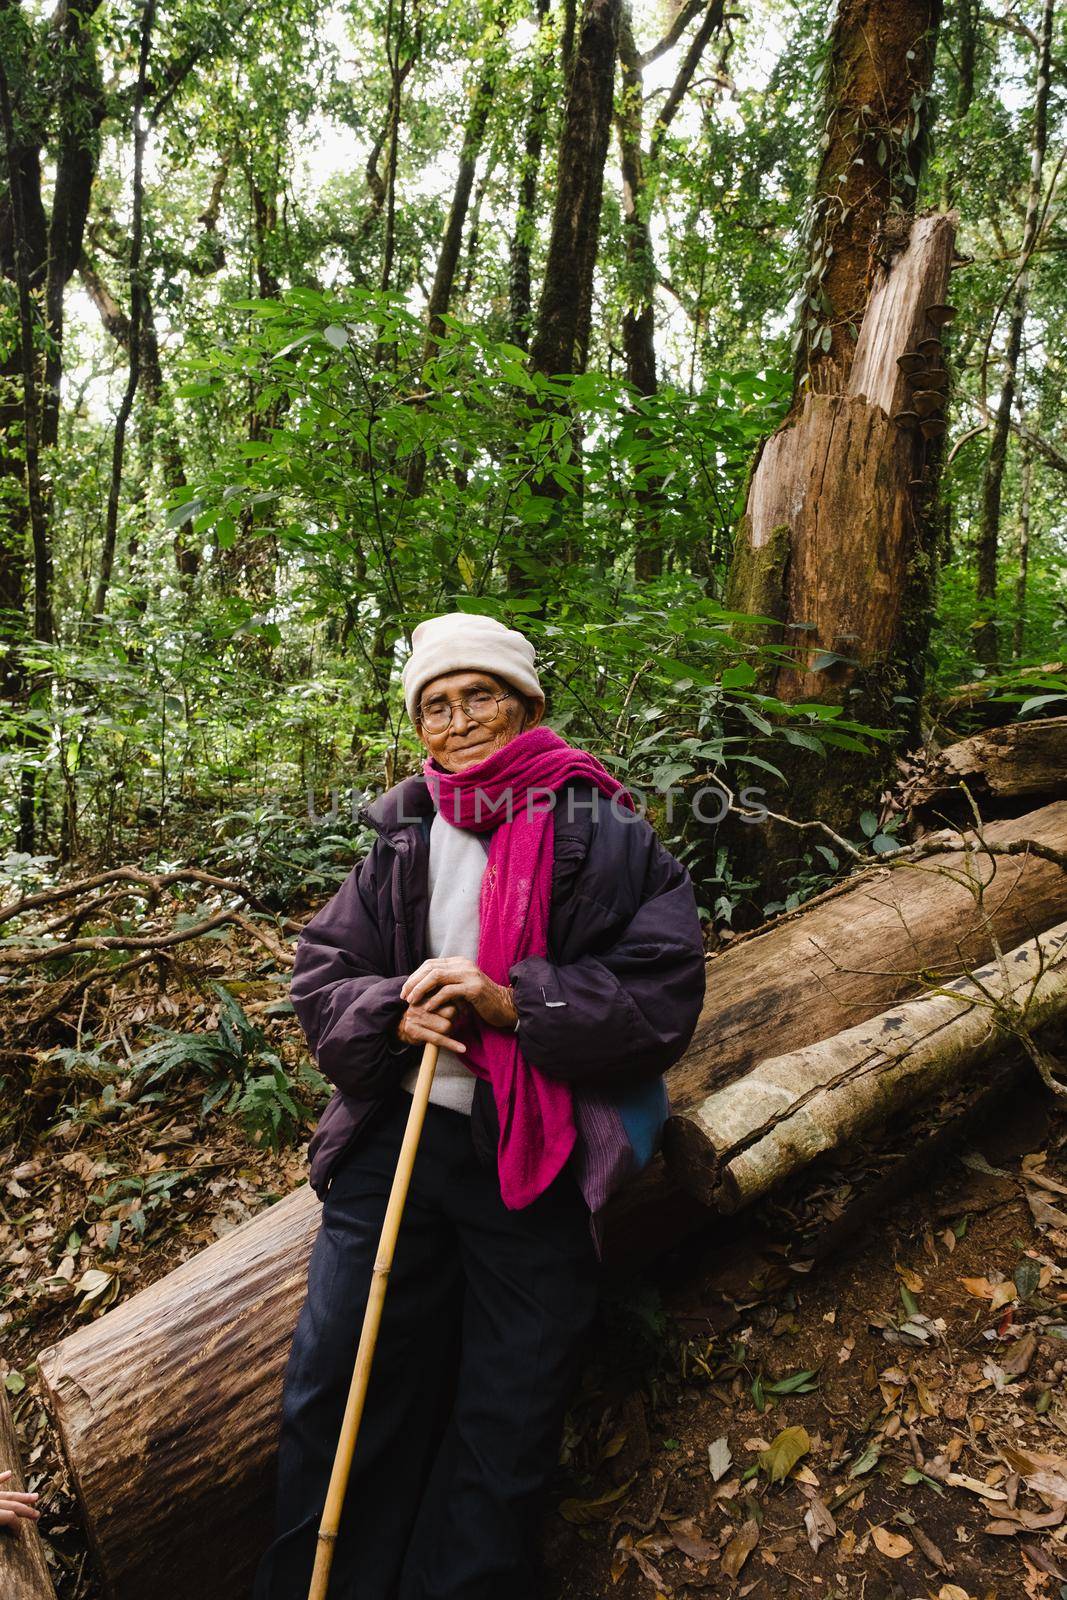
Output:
[[409, 804], [402, 807]]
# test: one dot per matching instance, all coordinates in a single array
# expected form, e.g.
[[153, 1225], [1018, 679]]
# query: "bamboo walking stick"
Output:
[[357, 1394]]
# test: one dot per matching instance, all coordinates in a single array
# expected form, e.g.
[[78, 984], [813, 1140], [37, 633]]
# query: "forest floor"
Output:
[[887, 1423], [756, 1417]]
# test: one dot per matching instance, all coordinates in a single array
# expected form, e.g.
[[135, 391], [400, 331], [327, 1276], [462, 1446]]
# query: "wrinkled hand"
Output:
[[444, 980], [15, 1503], [420, 1025]]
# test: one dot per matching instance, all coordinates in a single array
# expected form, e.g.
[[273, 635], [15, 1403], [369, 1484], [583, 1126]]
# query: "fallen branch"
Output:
[[156, 882]]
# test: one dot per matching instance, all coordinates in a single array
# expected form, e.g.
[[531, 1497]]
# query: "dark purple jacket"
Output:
[[612, 1005]]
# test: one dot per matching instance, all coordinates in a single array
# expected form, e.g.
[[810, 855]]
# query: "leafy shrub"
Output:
[[245, 1075]]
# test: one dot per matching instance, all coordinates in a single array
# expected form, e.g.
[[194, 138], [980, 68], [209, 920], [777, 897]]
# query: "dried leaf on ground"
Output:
[[819, 1523], [691, 1542], [720, 1458], [583, 1511], [783, 1453], [893, 1545], [740, 1548]]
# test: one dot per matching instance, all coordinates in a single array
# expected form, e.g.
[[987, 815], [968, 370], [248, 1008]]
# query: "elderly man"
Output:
[[516, 911]]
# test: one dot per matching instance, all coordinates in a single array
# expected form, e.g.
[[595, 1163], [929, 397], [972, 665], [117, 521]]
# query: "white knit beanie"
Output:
[[466, 641]]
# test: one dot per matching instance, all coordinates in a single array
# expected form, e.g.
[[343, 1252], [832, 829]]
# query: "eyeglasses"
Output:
[[481, 704]]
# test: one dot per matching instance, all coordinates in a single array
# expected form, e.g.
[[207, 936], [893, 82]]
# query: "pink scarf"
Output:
[[537, 1129]]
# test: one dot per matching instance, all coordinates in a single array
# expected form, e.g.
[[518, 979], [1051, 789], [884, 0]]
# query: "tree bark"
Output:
[[22, 269], [879, 72], [638, 185], [841, 528], [561, 341], [862, 945], [986, 644], [470, 150], [168, 1410], [520, 290], [998, 766], [107, 555], [19, 226], [1019, 633], [24, 1571], [117, 324]]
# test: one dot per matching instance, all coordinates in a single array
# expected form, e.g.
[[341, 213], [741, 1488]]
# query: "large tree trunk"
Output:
[[167, 1406], [837, 540], [107, 555], [24, 1571], [846, 955], [520, 290], [986, 643], [473, 136], [1019, 630], [880, 69], [37, 252], [999, 767], [561, 341]]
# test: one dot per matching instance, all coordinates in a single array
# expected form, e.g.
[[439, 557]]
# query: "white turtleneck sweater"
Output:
[[457, 865]]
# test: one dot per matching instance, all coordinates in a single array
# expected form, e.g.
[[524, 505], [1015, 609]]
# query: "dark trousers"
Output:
[[483, 1323]]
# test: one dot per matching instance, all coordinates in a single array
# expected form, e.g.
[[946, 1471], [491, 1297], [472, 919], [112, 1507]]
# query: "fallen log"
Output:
[[167, 1410], [998, 766], [173, 1397], [861, 946], [752, 1134], [24, 1571]]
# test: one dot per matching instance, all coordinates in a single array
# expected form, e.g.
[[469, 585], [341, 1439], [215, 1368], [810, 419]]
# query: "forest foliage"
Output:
[[284, 271]]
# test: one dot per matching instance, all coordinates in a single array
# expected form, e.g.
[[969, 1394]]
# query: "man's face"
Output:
[[465, 740]]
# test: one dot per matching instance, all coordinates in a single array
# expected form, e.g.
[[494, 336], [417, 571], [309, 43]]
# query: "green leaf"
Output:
[[178, 516], [1027, 1276], [913, 1475], [336, 335], [1037, 701], [797, 1383], [669, 773], [870, 1458]]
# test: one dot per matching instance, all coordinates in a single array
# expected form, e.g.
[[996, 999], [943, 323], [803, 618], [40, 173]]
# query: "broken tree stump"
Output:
[[24, 1573]]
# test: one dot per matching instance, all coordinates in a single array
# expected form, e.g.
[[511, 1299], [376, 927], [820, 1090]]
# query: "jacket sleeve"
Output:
[[345, 998], [627, 1008]]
